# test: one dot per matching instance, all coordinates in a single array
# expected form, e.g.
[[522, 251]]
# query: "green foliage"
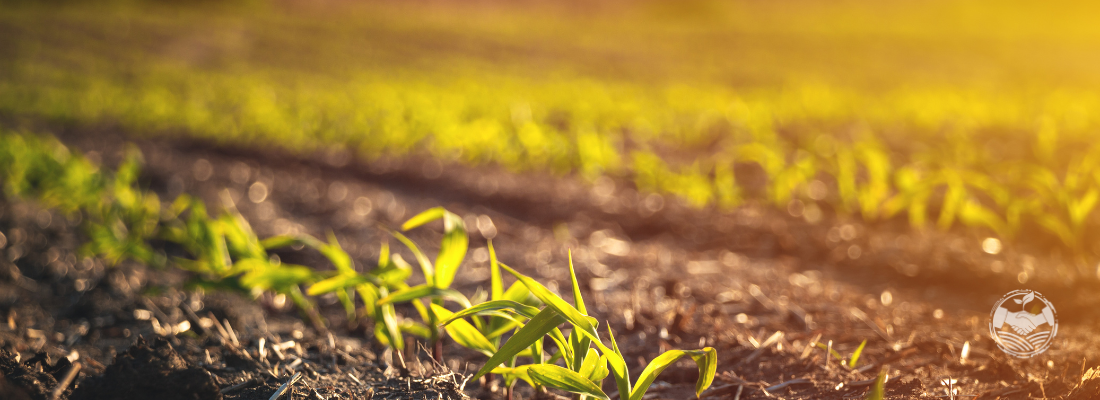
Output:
[[564, 379], [878, 390], [852, 361], [120, 220], [451, 251], [587, 360], [225, 252], [993, 157]]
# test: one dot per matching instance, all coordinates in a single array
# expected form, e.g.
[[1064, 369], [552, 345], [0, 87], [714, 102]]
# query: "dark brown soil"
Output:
[[661, 274], [145, 372]]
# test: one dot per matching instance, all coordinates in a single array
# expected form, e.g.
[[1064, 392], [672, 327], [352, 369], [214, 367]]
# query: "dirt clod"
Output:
[[148, 372], [24, 379]]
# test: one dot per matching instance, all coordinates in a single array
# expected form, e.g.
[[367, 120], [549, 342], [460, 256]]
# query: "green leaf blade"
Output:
[[424, 217], [563, 379], [336, 283], [544, 322], [422, 291], [464, 333], [706, 359], [521, 309], [583, 322], [855, 355], [452, 250]]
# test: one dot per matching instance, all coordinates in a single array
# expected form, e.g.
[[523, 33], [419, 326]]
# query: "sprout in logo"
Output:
[[1022, 331]]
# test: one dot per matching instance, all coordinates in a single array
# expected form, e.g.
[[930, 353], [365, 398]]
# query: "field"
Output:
[[764, 186]]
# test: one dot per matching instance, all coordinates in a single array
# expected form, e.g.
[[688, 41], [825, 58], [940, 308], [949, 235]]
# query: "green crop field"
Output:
[[940, 113], [978, 117]]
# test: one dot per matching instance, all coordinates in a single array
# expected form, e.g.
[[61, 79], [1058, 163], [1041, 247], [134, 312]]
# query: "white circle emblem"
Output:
[[1024, 327]]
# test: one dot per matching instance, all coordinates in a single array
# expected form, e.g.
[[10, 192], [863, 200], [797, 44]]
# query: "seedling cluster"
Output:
[[224, 252]]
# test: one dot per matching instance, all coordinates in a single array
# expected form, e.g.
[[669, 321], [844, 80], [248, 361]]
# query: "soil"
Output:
[[662, 275]]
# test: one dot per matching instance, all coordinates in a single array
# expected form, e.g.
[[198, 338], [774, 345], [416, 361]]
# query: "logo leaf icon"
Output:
[[1028, 298]]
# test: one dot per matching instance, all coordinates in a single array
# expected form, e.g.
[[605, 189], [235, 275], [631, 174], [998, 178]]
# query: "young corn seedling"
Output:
[[125, 218], [387, 281], [227, 253], [438, 276], [585, 368], [852, 361], [507, 311], [389, 276], [878, 388]]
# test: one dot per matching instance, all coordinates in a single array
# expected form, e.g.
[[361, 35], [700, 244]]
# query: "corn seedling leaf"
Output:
[[832, 352], [278, 242], [451, 251], [390, 327], [543, 322], [583, 322], [495, 281], [706, 359], [580, 345], [424, 217], [425, 264], [563, 379], [855, 355], [519, 372], [335, 283], [416, 329], [518, 293], [336, 254], [507, 326], [578, 301], [422, 291], [277, 278], [877, 391], [566, 351], [521, 309], [465, 334], [618, 365], [594, 366]]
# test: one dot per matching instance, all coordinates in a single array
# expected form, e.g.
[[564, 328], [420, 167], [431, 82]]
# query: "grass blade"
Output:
[[510, 374], [336, 254], [618, 365], [855, 354], [580, 343], [425, 264], [544, 322], [878, 389], [424, 217], [706, 359], [421, 291], [578, 301], [452, 250], [560, 378], [594, 367], [583, 322], [519, 293], [565, 349], [832, 352], [278, 242], [521, 309], [465, 334], [390, 328], [336, 283], [495, 281]]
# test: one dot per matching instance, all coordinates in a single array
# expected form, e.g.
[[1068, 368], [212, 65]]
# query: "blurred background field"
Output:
[[936, 113]]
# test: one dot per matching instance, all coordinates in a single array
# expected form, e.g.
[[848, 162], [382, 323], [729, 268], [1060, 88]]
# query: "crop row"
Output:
[[119, 221], [1002, 164]]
